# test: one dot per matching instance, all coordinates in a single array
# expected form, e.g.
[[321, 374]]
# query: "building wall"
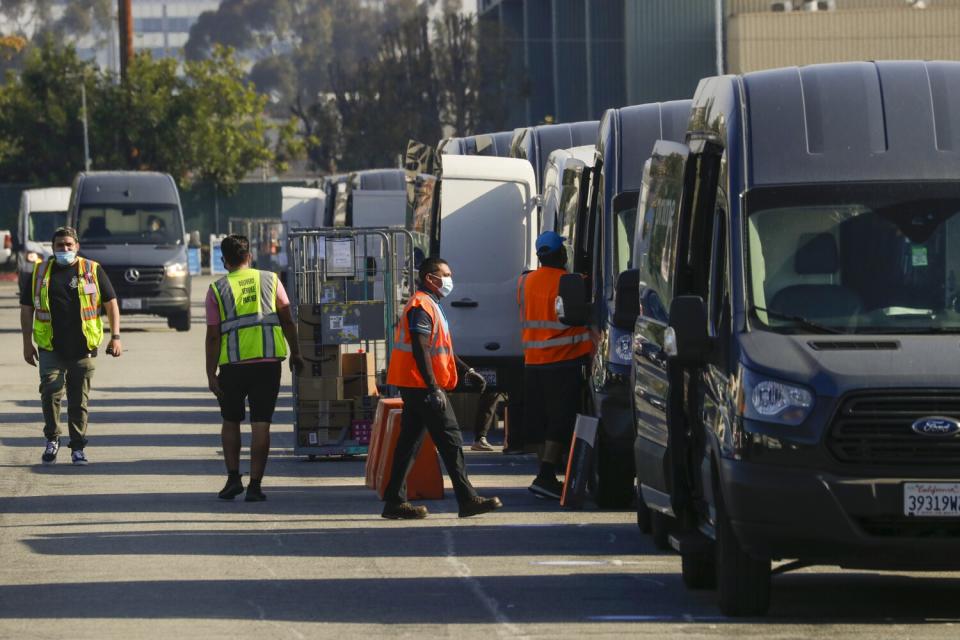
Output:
[[670, 45], [767, 40]]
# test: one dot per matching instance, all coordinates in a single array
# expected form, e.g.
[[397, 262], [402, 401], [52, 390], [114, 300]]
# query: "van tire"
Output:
[[179, 321], [743, 582], [661, 526], [699, 570], [615, 478]]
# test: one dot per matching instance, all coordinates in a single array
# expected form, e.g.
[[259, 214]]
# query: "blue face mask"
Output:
[[65, 258]]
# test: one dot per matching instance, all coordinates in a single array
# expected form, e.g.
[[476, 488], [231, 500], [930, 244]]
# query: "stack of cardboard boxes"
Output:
[[337, 389]]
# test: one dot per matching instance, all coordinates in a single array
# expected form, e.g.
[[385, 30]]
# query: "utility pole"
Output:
[[86, 137], [125, 16], [718, 35]]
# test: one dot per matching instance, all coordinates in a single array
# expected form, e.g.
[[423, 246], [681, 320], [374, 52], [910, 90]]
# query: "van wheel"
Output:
[[699, 570], [615, 479], [179, 321], [743, 581], [661, 526]]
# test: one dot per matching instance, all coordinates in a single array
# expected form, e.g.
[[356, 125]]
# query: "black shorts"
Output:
[[259, 382], [553, 396]]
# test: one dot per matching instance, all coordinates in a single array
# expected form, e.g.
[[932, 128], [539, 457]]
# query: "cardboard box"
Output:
[[356, 387], [326, 414], [320, 361], [359, 375], [361, 430], [309, 332], [311, 389], [318, 437], [352, 322]]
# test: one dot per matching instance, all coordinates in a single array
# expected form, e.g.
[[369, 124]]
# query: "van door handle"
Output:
[[466, 302]]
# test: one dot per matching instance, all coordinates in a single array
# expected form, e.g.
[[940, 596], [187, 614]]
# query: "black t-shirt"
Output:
[[68, 339]]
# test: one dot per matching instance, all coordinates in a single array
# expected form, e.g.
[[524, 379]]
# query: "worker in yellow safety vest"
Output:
[[554, 356], [60, 312], [249, 325], [424, 367]]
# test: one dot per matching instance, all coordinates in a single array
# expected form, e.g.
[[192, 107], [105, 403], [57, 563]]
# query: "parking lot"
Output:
[[137, 545]]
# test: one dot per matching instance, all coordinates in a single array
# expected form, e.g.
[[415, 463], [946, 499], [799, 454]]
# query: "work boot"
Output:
[[403, 511], [254, 493], [482, 445], [547, 487], [50, 451], [232, 489], [477, 505]]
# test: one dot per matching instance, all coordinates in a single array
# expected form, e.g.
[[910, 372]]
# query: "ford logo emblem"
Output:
[[936, 426]]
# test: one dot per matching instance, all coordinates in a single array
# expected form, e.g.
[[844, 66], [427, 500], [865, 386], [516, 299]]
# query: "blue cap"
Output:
[[549, 241]]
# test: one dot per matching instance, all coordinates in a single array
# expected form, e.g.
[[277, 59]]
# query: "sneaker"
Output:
[[547, 487], [513, 451], [403, 511], [232, 489], [482, 445], [50, 451], [79, 457], [255, 494], [477, 505]]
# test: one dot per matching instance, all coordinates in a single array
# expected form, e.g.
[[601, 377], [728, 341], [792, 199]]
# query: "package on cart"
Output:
[[359, 375], [365, 407], [352, 322], [312, 390], [325, 414], [361, 430], [320, 361]]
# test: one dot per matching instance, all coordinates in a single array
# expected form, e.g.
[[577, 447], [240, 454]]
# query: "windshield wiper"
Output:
[[806, 323]]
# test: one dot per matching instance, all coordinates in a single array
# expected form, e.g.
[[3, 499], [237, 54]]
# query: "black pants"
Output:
[[418, 419], [552, 399], [486, 414]]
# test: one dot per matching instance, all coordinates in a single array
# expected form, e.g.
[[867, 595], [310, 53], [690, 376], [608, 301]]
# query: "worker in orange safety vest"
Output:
[[554, 356]]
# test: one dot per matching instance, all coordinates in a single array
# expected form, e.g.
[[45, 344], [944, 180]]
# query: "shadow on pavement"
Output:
[[409, 541], [595, 597]]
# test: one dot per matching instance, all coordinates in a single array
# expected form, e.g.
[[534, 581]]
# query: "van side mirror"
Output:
[[572, 308], [626, 300], [687, 342]]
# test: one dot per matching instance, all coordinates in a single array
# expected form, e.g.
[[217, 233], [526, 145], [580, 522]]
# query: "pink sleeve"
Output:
[[282, 299], [213, 309]]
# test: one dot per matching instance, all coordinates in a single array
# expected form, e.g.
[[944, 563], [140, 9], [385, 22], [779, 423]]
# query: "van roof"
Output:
[[482, 144], [115, 187], [631, 132], [380, 180], [47, 199], [859, 121], [488, 168], [537, 143]]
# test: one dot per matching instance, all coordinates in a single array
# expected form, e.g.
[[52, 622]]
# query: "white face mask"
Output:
[[446, 286]]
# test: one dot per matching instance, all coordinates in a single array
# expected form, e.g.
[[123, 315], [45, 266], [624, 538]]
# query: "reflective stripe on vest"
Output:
[[403, 371], [90, 323], [249, 329], [545, 339]]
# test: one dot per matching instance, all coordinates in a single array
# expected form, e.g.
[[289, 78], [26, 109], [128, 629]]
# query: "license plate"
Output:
[[490, 375], [931, 499], [131, 304]]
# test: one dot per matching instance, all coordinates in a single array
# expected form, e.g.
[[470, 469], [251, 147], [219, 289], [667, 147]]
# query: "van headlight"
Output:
[[176, 270], [33, 256], [770, 400]]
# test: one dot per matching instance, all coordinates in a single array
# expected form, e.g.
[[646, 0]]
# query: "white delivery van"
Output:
[[300, 208], [488, 228], [42, 211]]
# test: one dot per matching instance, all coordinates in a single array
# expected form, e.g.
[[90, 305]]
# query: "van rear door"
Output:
[[487, 232]]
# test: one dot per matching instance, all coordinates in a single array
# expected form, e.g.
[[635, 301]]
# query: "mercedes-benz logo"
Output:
[[131, 275]]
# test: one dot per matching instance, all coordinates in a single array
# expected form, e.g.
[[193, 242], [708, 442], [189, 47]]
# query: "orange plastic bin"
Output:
[[376, 437], [425, 481]]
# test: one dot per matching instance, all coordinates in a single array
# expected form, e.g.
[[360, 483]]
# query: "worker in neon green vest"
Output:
[[60, 311], [248, 328]]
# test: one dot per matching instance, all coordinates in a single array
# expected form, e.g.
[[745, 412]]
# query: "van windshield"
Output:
[[42, 224], [857, 258], [625, 222], [130, 224]]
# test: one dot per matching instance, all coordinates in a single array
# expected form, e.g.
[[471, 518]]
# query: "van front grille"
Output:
[[876, 428], [123, 281]]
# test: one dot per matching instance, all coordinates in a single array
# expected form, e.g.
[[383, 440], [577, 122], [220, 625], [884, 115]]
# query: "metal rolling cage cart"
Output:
[[266, 236], [348, 287]]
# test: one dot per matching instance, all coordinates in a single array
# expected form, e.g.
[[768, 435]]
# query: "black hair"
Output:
[[556, 259], [430, 265], [65, 232], [236, 249]]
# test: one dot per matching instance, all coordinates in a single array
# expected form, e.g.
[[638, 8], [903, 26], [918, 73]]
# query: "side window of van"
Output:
[[717, 296], [657, 261], [569, 209]]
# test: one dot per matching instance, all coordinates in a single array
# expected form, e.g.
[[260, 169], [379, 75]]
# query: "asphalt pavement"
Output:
[[136, 545]]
